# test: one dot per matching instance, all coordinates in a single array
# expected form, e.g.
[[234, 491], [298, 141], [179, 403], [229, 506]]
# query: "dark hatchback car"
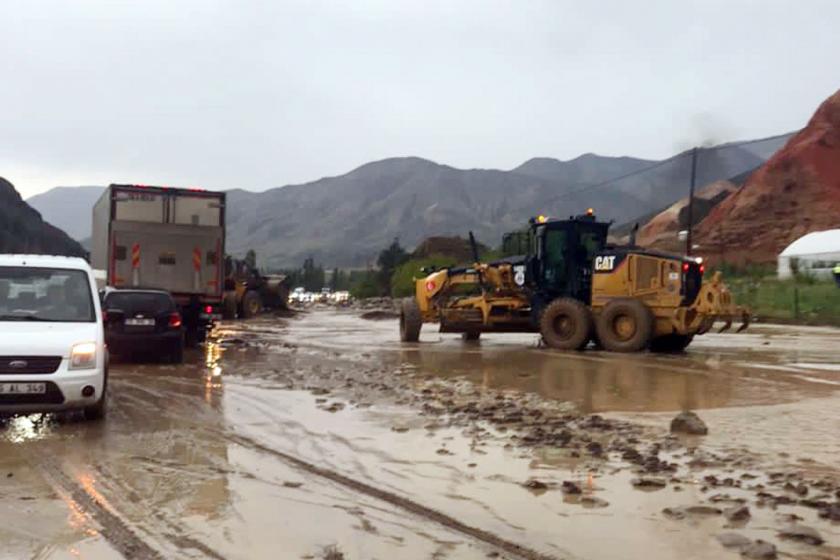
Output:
[[143, 323]]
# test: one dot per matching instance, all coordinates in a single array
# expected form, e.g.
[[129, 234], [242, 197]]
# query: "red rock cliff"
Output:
[[795, 192]]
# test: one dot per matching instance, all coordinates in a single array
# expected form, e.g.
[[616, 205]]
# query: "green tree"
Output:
[[389, 259], [251, 258]]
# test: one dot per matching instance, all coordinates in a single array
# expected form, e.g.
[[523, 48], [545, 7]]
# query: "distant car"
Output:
[[52, 347], [143, 322]]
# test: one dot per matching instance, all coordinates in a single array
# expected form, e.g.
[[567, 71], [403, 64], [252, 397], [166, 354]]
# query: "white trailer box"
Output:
[[165, 238]]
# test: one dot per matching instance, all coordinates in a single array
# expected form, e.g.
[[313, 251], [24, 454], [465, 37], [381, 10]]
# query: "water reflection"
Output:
[[31, 427], [594, 381]]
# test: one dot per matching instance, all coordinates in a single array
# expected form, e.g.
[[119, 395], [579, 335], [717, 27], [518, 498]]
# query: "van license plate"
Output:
[[140, 322], [23, 388]]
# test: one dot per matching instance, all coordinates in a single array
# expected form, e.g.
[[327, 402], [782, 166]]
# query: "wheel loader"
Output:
[[574, 288], [248, 291]]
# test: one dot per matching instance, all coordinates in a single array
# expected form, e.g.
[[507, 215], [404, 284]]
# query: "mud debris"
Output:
[[332, 552], [733, 540], [569, 487], [535, 484], [649, 483], [687, 511], [380, 315], [802, 533], [688, 422], [759, 550], [593, 502], [737, 513]]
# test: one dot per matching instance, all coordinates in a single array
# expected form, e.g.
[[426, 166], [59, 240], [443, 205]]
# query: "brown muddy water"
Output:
[[286, 437]]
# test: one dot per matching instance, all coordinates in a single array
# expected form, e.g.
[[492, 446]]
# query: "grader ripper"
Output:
[[574, 289]]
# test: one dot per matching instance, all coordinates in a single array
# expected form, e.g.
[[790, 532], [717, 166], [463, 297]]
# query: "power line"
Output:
[[594, 186]]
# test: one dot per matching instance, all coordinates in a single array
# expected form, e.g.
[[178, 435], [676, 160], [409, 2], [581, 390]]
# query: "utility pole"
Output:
[[691, 201]]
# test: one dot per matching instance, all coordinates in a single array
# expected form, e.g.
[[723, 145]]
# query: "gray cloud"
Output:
[[259, 94]]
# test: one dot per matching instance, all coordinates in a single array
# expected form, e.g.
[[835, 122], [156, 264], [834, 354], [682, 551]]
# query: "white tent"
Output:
[[814, 254]]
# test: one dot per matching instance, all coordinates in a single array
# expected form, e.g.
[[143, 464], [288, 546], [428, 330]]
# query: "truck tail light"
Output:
[[174, 320], [208, 309]]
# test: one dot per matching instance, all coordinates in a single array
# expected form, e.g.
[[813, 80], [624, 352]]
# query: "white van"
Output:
[[52, 346]]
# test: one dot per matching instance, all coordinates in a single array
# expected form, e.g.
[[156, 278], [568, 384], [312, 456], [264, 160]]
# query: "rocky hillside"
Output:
[[22, 230], [68, 208], [795, 192], [661, 232], [346, 220]]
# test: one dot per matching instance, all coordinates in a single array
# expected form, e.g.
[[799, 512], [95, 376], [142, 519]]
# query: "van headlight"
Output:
[[83, 356]]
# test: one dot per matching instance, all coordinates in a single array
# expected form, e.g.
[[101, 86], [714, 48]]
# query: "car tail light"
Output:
[[702, 269], [175, 320], [208, 309], [685, 267]]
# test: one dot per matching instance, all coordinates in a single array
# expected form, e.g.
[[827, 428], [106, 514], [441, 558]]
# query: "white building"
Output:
[[814, 254]]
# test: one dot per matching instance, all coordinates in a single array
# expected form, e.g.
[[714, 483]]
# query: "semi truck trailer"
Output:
[[166, 238]]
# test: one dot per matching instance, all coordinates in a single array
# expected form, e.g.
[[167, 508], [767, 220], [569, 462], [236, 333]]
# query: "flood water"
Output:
[[192, 461]]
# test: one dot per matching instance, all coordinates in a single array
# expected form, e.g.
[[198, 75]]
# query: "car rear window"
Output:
[[45, 294], [151, 303]]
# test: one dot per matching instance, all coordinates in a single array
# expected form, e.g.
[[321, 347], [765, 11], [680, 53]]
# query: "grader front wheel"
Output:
[[410, 321], [566, 324]]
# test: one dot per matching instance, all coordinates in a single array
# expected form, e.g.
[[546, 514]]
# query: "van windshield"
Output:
[[45, 294]]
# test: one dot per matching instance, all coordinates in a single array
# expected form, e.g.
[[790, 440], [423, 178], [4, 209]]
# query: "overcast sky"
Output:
[[257, 94]]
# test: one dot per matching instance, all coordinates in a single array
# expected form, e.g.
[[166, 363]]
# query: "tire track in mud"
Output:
[[406, 504], [113, 528], [116, 531]]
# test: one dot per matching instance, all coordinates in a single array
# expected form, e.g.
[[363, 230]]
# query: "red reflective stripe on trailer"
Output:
[[219, 259], [135, 255], [197, 259]]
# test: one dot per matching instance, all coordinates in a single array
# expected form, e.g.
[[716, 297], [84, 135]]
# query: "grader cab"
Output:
[[573, 288]]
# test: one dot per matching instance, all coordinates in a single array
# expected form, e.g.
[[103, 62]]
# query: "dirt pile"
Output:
[[662, 230], [456, 247], [796, 192]]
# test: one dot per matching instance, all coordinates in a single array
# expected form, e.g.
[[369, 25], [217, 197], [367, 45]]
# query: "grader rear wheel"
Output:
[[566, 324], [410, 321], [625, 325]]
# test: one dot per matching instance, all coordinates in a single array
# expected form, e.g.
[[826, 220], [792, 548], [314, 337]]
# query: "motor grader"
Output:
[[574, 288]]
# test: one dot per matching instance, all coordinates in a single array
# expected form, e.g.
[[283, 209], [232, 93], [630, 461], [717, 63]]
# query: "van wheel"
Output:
[[251, 304], [410, 320], [98, 410], [566, 324], [470, 336], [625, 325], [671, 343]]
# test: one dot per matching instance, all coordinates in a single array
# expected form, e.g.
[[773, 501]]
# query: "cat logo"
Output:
[[603, 264]]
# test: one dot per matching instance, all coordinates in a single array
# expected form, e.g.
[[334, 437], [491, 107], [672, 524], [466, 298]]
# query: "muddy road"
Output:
[[322, 436]]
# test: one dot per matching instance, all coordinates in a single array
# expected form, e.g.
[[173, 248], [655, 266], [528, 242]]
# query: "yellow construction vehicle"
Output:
[[248, 291], [573, 288]]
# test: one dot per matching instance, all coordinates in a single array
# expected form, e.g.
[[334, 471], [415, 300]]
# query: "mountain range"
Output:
[[346, 220]]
